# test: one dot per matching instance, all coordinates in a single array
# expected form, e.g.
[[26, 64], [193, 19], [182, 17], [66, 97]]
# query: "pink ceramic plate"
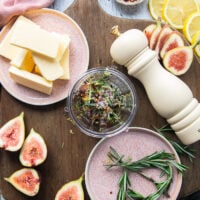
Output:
[[50, 20], [135, 143]]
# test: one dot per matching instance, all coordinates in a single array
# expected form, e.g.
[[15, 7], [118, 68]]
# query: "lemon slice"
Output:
[[191, 26], [155, 8], [195, 39], [176, 11]]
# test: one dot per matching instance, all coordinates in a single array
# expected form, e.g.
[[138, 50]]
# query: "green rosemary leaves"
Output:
[[180, 148], [161, 160]]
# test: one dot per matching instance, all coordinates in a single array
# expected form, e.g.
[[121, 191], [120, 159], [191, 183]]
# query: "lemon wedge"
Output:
[[195, 40], [191, 26], [176, 11], [155, 8]]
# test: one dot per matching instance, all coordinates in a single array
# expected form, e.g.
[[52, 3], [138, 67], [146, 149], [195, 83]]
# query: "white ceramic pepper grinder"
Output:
[[169, 95]]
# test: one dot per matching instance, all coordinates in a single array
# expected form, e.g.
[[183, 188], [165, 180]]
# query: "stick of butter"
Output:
[[31, 80], [8, 50], [35, 39], [64, 43], [65, 65], [63, 54]]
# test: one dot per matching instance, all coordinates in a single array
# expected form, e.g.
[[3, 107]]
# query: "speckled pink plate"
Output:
[[56, 21], [135, 143]]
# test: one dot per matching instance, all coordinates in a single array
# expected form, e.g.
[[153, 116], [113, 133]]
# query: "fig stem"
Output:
[[82, 177], [159, 22]]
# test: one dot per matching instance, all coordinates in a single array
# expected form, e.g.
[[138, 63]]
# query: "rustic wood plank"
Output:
[[61, 5], [68, 151]]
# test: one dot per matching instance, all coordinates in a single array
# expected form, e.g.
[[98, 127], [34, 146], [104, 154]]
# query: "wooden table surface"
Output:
[[68, 151]]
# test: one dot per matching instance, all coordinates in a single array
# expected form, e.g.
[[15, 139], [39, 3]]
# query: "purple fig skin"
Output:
[[12, 134], [34, 150]]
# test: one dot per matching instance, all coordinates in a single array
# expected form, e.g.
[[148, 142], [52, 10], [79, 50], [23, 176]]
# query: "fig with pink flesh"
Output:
[[164, 33], [148, 31], [25, 180], [173, 40], [178, 60], [155, 35], [72, 190], [34, 150], [12, 134]]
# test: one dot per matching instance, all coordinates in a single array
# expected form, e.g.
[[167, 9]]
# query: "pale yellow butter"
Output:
[[8, 50], [23, 60], [31, 80], [36, 70], [48, 67], [63, 54], [64, 43], [65, 65], [35, 39]]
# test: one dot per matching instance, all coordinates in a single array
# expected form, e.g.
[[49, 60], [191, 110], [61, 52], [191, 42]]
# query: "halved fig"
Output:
[[12, 134], [178, 60], [25, 180], [72, 190], [174, 40], [164, 33], [148, 31], [155, 35], [34, 150]]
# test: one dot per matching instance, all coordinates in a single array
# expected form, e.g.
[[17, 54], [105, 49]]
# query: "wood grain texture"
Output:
[[68, 151]]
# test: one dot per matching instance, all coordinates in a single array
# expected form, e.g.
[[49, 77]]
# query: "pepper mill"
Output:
[[168, 94]]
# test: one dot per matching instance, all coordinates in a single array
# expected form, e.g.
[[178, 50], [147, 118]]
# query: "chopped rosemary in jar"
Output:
[[100, 103]]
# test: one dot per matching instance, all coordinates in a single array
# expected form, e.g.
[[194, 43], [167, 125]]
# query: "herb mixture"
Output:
[[99, 102]]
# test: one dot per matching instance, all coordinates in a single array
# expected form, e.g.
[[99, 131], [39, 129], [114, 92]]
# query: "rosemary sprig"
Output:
[[162, 186], [124, 182], [131, 194], [125, 191], [180, 148], [160, 160]]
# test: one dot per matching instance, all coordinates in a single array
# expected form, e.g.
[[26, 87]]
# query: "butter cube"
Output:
[[8, 50], [35, 39], [48, 67], [23, 60], [31, 80]]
